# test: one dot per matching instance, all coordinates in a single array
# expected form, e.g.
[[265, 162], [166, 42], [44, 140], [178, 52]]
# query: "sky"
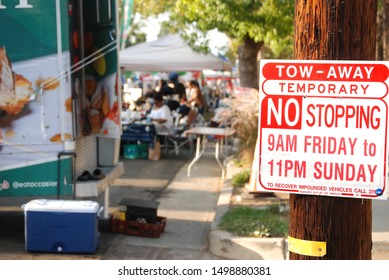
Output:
[[217, 39]]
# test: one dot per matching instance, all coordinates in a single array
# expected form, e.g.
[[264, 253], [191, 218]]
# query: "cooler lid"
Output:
[[69, 206]]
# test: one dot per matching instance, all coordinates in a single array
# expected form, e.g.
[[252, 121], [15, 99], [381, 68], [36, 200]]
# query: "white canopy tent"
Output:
[[169, 53]]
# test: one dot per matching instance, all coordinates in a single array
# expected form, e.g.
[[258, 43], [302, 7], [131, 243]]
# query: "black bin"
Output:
[[138, 209]]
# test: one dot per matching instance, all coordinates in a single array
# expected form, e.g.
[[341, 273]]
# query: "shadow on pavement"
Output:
[[142, 179]]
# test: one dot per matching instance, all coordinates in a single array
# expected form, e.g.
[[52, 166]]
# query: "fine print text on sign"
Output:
[[323, 128]]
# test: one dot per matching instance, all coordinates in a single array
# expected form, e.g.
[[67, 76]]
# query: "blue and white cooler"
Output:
[[61, 226]]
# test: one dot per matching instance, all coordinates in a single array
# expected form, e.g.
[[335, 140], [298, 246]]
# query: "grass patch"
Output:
[[241, 178], [245, 221]]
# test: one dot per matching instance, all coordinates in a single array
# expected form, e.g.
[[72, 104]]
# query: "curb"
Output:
[[226, 245], [380, 250]]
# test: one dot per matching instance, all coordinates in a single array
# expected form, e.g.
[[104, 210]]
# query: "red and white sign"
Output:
[[323, 128]]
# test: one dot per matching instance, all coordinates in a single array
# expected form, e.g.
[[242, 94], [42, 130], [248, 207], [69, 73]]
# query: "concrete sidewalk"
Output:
[[189, 204]]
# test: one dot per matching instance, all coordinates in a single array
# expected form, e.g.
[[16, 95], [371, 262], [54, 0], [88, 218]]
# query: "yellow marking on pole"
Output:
[[307, 247]]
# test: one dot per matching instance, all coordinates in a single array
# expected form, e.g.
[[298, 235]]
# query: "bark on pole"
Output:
[[334, 30], [386, 31]]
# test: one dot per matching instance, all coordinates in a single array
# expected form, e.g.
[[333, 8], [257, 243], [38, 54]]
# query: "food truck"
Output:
[[59, 98]]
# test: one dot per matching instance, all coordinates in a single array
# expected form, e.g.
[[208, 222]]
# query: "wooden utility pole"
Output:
[[334, 30], [385, 30]]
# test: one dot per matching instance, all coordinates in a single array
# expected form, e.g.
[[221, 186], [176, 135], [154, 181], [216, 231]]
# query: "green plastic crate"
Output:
[[136, 151]]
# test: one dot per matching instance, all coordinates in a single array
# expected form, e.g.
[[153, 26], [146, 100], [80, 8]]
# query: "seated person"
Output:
[[173, 104], [196, 97], [149, 101], [139, 104], [186, 113], [161, 116]]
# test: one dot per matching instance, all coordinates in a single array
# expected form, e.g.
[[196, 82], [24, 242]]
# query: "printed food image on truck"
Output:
[[15, 90]]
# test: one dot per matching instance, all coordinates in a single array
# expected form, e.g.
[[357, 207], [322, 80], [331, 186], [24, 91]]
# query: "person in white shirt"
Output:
[[161, 116]]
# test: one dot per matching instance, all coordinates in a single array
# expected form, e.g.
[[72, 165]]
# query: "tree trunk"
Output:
[[248, 64], [334, 30]]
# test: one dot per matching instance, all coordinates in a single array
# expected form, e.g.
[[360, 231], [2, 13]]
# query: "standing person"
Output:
[[177, 87], [161, 115], [163, 89], [196, 97]]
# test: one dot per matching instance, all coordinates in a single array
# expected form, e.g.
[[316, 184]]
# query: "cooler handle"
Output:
[[100, 210]]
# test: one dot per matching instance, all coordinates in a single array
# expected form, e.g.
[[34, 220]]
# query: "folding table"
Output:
[[201, 133]]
